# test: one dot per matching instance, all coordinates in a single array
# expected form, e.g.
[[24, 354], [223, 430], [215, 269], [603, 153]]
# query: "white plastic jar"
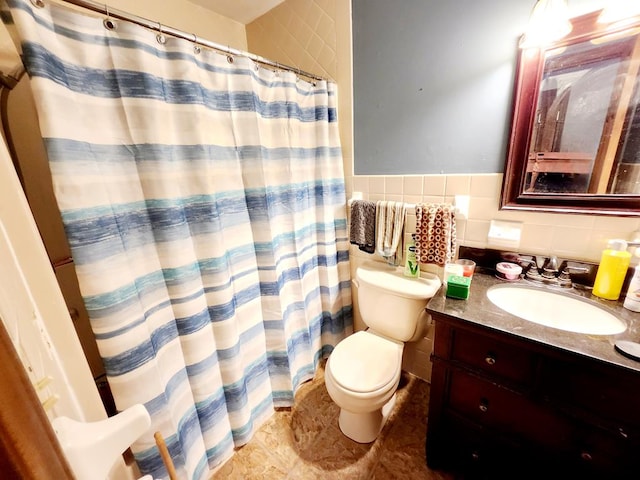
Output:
[[508, 271]]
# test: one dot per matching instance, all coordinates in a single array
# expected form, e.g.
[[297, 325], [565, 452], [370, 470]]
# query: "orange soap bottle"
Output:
[[612, 270]]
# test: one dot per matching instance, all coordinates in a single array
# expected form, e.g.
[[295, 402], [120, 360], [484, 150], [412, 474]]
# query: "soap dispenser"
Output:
[[612, 270]]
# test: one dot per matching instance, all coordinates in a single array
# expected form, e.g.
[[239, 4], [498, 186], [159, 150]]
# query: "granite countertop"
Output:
[[479, 310]]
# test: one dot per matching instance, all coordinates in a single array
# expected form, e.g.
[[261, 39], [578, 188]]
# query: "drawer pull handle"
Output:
[[484, 405], [586, 456], [490, 359], [622, 433]]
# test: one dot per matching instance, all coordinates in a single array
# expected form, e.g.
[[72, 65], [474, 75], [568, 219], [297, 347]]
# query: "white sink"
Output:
[[556, 310]]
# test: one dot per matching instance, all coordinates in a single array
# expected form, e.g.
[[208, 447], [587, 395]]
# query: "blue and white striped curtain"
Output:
[[203, 199]]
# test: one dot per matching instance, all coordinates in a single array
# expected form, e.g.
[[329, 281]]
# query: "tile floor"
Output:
[[305, 442]]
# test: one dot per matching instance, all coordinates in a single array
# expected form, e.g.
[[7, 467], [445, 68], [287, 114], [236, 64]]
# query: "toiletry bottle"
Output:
[[411, 265], [632, 299], [612, 270]]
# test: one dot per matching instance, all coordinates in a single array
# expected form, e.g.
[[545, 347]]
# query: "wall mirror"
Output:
[[574, 145]]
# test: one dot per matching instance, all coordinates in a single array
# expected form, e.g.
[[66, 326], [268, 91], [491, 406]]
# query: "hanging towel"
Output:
[[390, 229], [435, 233], [362, 227]]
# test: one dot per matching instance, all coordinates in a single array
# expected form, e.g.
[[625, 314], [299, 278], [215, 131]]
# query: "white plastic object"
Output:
[[451, 269], [508, 271], [505, 234], [632, 299], [92, 448]]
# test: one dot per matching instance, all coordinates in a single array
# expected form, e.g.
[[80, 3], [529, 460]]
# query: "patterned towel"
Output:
[[362, 228], [435, 233], [390, 229]]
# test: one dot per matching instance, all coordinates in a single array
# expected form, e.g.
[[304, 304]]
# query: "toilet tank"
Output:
[[392, 304]]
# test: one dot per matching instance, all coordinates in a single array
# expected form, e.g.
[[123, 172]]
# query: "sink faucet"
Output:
[[550, 269]]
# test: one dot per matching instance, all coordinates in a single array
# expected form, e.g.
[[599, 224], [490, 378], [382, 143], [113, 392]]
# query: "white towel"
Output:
[[390, 229]]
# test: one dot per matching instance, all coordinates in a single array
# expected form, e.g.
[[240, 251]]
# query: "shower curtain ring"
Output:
[[196, 47], [107, 22], [160, 37]]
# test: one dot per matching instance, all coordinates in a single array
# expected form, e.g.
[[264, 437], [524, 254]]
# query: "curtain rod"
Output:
[[192, 37]]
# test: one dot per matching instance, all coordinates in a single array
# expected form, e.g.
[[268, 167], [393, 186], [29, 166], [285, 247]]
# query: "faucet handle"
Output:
[[564, 279], [532, 261], [573, 269]]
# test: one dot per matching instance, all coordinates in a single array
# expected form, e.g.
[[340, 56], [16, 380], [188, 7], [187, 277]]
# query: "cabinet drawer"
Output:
[[470, 450], [492, 356], [598, 453], [481, 453], [478, 453], [610, 395], [502, 410]]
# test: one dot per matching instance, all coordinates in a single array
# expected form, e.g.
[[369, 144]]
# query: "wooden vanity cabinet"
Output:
[[505, 407]]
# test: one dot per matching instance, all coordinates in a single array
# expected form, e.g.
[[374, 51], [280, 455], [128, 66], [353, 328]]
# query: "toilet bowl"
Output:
[[366, 385], [363, 371]]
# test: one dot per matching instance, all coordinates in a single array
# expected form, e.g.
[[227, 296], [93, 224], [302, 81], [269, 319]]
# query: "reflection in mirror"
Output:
[[575, 139], [584, 140]]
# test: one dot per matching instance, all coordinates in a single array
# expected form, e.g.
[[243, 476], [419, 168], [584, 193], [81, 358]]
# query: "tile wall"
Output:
[[305, 33], [315, 36], [567, 236]]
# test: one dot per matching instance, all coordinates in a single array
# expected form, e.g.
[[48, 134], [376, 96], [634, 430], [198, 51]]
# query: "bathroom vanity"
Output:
[[514, 399]]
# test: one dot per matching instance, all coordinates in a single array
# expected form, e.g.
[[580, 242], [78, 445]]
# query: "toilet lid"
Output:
[[364, 362]]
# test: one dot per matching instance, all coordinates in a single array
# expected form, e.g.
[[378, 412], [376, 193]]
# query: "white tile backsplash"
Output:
[[486, 185], [458, 185], [568, 236], [393, 197], [412, 198], [535, 239], [432, 199], [581, 237], [477, 231], [361, 184], [376, 185], [412, 185], [616, 223], [483, 208], [393, 185], [434, 185], [566, 241]]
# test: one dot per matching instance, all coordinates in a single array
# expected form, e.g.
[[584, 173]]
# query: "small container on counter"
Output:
[[458, 287], [451, 269], [508, 271], [632, 299]]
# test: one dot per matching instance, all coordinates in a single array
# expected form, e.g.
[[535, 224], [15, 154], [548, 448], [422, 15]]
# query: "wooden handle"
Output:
[[166, 458]]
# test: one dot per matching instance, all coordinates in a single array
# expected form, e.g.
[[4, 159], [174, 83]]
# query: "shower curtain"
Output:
[[203, 200]]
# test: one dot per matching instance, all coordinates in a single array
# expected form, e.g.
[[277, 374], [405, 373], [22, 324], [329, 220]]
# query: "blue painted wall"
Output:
[[433, 84]]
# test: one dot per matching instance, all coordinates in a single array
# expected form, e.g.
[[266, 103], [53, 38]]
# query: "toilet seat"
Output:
[[365, 362]]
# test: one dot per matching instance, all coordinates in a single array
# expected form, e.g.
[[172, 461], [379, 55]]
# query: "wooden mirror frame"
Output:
[[527, 85]]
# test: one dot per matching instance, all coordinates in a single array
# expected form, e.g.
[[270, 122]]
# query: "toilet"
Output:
[[363, 371]]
